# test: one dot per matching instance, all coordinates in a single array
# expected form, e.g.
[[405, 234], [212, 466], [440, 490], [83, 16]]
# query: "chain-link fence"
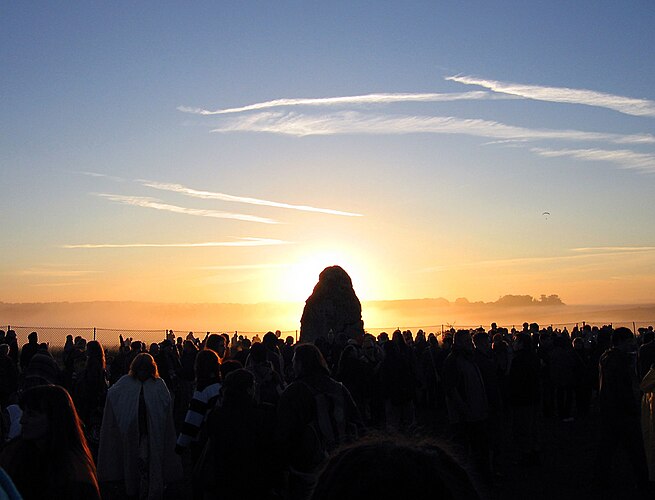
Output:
[[440, 328], [55, 337]]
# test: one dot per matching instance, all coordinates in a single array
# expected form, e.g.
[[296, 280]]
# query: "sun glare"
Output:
[[301, 277]]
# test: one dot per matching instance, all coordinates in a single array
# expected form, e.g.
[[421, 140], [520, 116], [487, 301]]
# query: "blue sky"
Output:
[[91, 98]]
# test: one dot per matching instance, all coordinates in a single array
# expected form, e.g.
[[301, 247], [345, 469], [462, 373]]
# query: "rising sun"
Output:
[[301, 276]]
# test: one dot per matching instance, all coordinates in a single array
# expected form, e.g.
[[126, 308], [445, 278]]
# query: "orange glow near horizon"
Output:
[[296, 282]]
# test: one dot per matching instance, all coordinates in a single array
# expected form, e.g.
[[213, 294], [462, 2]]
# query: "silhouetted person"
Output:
[[524, 399], [483, 357], [562, 365], [466, 400], [168, 365], [356, 374], [287, 356], [584, 373], [430, 376], [242, 355], [51, 458], [29, 350], [268, 382], [204, 399], [241, 440], [44, 366], [315, 415], [90, 391], [392, 469], [12, 342], [216, 343], [619, 411], [398, 385], [133, 351], [8, 375], [273, 353], [501, 353]]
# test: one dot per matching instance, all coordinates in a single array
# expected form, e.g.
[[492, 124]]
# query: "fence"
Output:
[[109, 337], [55, 336]]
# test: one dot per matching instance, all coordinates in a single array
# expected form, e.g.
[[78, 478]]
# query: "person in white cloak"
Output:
[[137, 437]]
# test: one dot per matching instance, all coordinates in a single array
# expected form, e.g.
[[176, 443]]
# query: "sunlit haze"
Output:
[[227, 152]]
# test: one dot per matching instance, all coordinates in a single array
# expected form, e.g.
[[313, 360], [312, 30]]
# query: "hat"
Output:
[[43, 366]]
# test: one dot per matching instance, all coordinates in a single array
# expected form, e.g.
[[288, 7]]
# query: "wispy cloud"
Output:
[[352, 122], [386, 98], [626, 105], [622, 157], [244, 267], [612, 249], [581, 254], [69, 283], [54, 273], [99, 175], [240, 242], [210, 195], [145, 202]]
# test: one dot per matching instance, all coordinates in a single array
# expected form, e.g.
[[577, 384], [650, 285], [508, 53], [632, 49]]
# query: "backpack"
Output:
[[328, 428], [268, 386]]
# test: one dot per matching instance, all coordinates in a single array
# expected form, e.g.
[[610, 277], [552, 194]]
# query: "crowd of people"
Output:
[[235, 418]]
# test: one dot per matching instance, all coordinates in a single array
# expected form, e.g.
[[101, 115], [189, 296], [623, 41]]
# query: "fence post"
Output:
[[296, 336], [94, 333], [634, 329]]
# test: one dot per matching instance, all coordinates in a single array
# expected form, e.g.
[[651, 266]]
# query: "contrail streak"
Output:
[[385, 98], [242, 242], [140, 201], [210, 195], [626, 105]]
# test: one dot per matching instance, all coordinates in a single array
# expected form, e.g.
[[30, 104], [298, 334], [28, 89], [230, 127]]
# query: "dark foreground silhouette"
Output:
[[536, 413]]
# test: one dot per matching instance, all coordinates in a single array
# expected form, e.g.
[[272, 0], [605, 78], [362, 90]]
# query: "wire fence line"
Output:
[[55, 336]]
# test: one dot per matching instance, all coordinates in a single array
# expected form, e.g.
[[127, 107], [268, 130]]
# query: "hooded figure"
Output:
[[137, 438]]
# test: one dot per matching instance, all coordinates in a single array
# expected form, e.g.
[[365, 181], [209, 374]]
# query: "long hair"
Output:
[[95, 355], [65, 439], [207, 368], [143, 367], [309, 361]]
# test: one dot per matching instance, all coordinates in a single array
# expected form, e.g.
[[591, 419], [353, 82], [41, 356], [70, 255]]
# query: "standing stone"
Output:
[[333, 305]]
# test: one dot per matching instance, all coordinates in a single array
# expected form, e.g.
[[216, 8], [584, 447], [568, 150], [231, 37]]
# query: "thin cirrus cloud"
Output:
[[612, 249], [386, 98], [69, 283], [210, 195], [622, 157], [352, 122], [627, 105], [240, 242], [99, 175], [49, 272], [241, 267], [581, 254], [145, 202]]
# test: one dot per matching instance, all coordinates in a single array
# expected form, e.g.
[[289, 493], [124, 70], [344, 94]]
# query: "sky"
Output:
[[229, 151]]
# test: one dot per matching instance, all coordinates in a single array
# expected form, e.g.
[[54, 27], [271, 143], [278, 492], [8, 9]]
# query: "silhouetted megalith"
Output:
[[333, 305]]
